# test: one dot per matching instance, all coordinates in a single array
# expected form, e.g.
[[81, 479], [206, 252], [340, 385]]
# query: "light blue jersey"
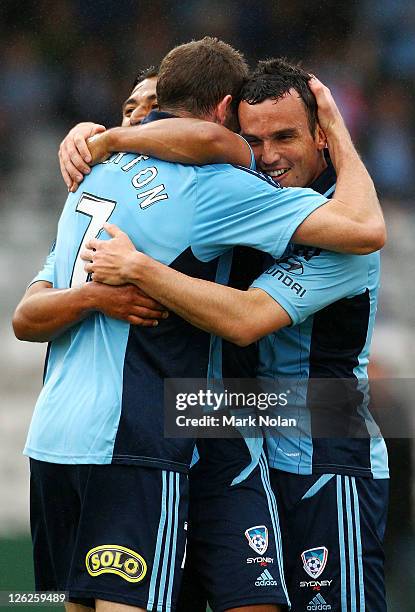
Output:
[[102, 400], [331, 299]]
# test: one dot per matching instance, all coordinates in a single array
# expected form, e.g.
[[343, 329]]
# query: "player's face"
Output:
[[280, 137], [142, 100]]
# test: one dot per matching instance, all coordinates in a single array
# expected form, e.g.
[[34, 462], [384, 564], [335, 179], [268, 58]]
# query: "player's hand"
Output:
[[108, 260], [74, 155], [127, 303], [98, 149], [329, 116]]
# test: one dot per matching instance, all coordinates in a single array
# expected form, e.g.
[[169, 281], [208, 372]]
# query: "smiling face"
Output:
[[142, 100], [279, 134]]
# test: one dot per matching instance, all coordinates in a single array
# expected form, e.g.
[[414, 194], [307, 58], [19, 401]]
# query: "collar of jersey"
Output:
[[326, 179], [156, 115], [322, 184]]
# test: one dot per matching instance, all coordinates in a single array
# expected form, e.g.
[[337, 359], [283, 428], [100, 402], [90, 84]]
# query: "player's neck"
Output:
[[183, 113], [178, 112]]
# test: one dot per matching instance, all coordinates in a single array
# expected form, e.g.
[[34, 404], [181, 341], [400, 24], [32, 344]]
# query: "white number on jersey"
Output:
[[99, 210]]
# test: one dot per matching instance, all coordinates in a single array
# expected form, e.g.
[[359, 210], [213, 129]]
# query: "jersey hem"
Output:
[[106, 460], [67, 459], [279, 298], [350, 471], [330, 468], [149, 462]]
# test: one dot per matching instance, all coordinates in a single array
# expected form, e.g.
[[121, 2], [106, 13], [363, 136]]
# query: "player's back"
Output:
[[102, 400]]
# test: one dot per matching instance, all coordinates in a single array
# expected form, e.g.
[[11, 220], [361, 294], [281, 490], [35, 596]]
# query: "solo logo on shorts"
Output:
[[114, 559], [257, 538]]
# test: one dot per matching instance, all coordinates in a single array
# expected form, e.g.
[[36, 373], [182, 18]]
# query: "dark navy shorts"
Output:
[[111, 532], [333, 528], [234, 550]]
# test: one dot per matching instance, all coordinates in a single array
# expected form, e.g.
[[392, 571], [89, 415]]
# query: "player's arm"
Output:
[[44, 312], [186, 141], [352, 222], [181, 140], [241, 317], [238, 316], [74, 155]]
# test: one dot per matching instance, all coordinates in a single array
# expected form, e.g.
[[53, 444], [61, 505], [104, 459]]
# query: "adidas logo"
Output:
[[265, 579], [318, 603]]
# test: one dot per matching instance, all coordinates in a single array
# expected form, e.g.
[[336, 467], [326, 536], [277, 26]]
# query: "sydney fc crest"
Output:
[[257, 538], [314, 560]]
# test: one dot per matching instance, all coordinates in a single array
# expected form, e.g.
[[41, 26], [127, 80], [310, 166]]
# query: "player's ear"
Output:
[[223, 109], [320, 138]]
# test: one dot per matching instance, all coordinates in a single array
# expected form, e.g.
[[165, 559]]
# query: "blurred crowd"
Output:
[[69, 60]]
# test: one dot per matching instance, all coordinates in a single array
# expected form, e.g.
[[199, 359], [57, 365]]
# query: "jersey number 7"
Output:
[[99, 210]]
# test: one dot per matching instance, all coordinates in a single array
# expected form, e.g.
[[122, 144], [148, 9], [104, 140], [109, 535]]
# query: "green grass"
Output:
[[16, 572]]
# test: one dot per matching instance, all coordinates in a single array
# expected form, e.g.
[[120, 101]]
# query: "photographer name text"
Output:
[[227, 420]]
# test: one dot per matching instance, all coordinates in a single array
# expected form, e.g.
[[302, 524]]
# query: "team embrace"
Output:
[[168, 264]]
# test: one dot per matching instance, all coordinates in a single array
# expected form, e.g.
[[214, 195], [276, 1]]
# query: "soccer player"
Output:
[[97, 431], [45, 312], [73, 152], [143, 98], [332, 492]]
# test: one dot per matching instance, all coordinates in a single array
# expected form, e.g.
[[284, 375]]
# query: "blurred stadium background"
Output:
[[63, 61]]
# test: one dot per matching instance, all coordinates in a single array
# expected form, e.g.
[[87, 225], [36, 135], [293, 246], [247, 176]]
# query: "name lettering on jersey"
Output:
[[114, 159], [286, 280], [141, 179], [144, 177], [133, 162], [152, 195], [114, 559]]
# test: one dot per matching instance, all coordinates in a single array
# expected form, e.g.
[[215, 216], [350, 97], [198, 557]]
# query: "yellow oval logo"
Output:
[[114, 559]]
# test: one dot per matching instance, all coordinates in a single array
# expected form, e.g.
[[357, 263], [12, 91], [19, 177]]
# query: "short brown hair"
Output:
[[196, 76]]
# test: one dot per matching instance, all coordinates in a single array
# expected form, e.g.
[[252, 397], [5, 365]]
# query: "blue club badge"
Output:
[[314, 560], [257, 538]]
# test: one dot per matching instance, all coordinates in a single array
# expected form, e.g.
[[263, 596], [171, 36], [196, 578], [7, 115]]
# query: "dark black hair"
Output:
[[273, 79], [146, 73]]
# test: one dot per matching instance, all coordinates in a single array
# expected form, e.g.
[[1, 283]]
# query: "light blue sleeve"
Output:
[[252, 164], [238, 206], [302, 285], [47, 273]]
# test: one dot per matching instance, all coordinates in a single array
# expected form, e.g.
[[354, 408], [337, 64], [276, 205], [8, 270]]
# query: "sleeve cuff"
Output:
[[269, 288], [291, 228]]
